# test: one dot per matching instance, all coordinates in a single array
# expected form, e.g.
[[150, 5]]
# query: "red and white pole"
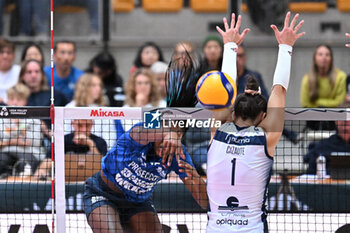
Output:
[[52, 116]]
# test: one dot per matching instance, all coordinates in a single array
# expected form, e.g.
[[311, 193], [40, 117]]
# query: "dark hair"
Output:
[[4, 43], [64, 42], [25, 50], [249, 106], [138, 61], [105, 61]]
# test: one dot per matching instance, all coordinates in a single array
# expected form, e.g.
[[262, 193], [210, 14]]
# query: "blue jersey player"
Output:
[[118, 198]]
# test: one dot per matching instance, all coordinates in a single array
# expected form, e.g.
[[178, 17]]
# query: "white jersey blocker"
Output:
[[238, 173]]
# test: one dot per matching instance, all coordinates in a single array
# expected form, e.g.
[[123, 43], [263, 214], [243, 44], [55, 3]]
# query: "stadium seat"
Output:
[[209, 5], [343, 5], [69, 9], [123, 5], [308, 6], [162, 6], [244, 7]]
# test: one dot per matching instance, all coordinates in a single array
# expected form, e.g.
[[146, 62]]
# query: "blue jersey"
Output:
[[133, 168], [65, 85]]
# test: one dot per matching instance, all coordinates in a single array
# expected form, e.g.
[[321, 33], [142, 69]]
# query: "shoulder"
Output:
[[341, 74], [97, 139], [16, 68]]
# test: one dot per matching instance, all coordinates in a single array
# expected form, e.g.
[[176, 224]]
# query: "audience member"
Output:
[[65, 75], [142, 90], [8, 71], [324, 86], [37, 12], [104, 65], [32, 51], [339, 142], [243, 72], [212, 51], [32, 75], [147, 54], [88, 92], [183, 47], [159, 70], [80, 141], [21, 139]]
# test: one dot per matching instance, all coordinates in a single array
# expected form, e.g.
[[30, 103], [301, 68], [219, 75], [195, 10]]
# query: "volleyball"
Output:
[[216, 90]]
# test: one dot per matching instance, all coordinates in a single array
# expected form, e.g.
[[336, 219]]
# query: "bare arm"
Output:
[[171, 141], [274, 121], [195, 184], [231, 38]]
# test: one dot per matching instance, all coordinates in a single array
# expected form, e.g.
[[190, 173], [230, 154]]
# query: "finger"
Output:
[[347, 45], [220, 31], [233, 19], [238, 24], [347, 35], [299, 26], [300, 35], [286, 20], [244, 33], [225, 24], [274, 28], [294, 20], [177, 157], [170, 159]]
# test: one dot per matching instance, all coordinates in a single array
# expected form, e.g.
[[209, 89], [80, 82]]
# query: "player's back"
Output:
[[238, 171]]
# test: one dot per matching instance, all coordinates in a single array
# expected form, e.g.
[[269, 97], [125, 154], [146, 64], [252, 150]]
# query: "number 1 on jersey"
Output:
[[233, 161]]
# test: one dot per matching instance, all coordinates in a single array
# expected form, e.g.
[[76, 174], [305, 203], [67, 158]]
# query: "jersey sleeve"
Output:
[[175, 167]]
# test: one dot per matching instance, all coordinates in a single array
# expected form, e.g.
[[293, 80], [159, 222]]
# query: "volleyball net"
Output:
[[308, 191]]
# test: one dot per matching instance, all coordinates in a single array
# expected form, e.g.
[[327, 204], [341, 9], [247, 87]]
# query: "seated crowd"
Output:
[[28, 84]]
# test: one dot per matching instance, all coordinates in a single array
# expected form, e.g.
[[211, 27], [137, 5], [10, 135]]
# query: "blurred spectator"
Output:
[[147, 54], [32, 51], [20, 144], [104, 65], [323, 87], [142, 90], [243, 72], [32, 75], [183, 47], [8, 71], [80, 141], [65, 74], [37, 12], [88, 92], [339, 142], [212, 50], [159, 70]]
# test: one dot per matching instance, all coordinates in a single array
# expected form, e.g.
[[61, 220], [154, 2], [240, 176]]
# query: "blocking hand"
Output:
[[289, 33], [231, 34]]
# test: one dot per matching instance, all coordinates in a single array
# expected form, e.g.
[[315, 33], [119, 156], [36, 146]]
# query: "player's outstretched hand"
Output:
[[348, 36], [188, 169], [289, 33], [172, 146], [231, 33]]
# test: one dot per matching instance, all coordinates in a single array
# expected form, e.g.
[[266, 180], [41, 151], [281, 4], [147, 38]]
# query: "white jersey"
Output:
[[238, 172]]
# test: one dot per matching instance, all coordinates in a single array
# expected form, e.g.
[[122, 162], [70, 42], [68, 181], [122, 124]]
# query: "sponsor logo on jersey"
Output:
[[232, 203], [95, 199], [101, 113], [232, 138], [231, 222]]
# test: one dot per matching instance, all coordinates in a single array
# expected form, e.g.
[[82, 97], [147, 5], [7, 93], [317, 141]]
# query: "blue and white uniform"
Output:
[[135, 170], [238, 172]]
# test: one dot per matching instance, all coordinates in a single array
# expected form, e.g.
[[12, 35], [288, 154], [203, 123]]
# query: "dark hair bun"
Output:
[[252, 83]]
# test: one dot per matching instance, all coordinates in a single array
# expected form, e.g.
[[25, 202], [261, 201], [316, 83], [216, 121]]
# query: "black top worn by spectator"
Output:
[[325, 147], [70, 146]]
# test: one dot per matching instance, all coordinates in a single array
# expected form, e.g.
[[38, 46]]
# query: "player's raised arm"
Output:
[[274, 121], [231, 38], [348, 36]]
